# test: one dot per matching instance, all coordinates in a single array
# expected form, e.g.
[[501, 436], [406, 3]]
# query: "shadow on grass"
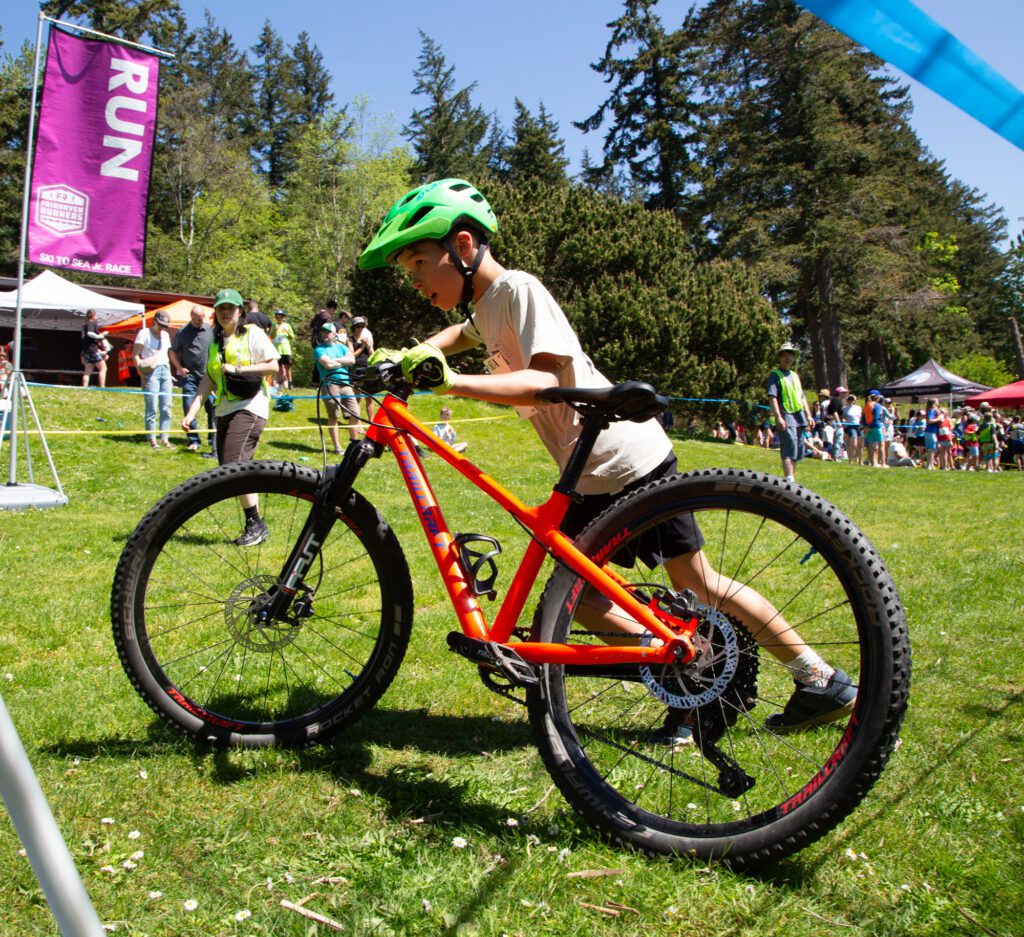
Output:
[[159, 740], [290, 446]]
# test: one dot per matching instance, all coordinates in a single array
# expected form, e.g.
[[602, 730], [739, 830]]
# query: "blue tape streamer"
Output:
[[905, 36]]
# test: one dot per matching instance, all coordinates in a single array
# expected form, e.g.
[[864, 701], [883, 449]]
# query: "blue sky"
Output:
[[541, 51]]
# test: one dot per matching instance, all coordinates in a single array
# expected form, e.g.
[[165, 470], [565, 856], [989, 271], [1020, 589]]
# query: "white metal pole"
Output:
[[42, 838], [12, 474]]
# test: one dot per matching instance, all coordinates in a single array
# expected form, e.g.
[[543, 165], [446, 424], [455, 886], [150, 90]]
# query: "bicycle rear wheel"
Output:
[[737, 790], [183, 600]]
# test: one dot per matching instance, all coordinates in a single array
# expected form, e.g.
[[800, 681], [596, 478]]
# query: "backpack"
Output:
[[284, 404]]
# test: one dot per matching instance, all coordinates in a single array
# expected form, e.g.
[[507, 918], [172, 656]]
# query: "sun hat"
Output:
[[359, 320], [788, 346], [842, 390], [161, 318], [280, 312], [824, 392], [228, 298], [874, 393], [327, 327]]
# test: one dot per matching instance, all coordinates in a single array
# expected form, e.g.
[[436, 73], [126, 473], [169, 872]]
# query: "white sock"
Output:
[[809, 669]]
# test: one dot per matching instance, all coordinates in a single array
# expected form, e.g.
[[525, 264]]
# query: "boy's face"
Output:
[[432, 272]]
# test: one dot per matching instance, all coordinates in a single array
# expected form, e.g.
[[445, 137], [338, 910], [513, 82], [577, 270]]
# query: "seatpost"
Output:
[[593, 425]]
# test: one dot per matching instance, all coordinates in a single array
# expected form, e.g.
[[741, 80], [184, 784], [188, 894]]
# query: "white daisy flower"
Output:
[[155, 894], [459, 843], [134, 834], [190, 904], [243, 914]]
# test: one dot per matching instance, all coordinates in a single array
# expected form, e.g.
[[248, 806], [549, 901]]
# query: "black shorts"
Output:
[[674, 537], [286, 360], [237, 436]]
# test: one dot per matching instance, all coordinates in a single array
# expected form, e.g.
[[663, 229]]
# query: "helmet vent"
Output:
[[418, 215], [460, 186]]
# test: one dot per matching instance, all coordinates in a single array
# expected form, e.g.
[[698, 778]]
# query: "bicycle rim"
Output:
[[183, 611], [736, 789]]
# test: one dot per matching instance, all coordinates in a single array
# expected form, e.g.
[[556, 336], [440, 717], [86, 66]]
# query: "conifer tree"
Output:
[[448, 132], [534, 150], [651, 113], [129, 19]]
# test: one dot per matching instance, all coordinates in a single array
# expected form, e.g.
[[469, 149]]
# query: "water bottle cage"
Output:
[[478, 565]]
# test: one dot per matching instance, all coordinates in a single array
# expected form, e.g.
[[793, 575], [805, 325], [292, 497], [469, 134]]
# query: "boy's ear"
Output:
[[465, 246]]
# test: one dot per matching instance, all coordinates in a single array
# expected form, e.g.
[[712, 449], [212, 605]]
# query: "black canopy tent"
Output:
[[932, 380]]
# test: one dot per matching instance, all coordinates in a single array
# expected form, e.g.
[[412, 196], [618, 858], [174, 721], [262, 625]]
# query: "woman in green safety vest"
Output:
[[241, 360], [789, 407]]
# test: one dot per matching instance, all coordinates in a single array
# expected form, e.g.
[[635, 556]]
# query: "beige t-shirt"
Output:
[[518, 318]]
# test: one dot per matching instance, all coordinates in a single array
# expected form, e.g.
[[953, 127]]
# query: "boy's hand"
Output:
[[386, 354], [425, 366]]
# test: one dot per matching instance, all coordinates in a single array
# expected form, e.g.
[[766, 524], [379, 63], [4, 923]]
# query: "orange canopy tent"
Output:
[[179, 311]]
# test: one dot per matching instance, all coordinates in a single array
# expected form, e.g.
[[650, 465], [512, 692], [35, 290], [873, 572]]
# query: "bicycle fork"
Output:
[[335, 483]]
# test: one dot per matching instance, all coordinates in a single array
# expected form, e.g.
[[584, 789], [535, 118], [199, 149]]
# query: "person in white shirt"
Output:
[[241, 360], [150, 354]]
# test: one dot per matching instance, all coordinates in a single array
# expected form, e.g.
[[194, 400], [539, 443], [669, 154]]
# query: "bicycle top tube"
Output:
[[392, 425]]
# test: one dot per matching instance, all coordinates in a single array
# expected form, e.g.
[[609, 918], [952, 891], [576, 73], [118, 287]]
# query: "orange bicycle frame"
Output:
[[392, 426]]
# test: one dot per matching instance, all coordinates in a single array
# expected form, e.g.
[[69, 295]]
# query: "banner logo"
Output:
[[62, 210], [93, 157]]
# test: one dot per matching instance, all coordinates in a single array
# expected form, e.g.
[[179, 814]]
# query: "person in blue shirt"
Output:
[[333, 358], [873, 419], [933, 420]]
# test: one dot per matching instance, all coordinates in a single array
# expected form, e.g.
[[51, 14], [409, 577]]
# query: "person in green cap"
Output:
[[439, 235], [789, 407], [240, 361]]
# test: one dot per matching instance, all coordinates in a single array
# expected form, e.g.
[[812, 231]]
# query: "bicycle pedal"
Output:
[[496, 656]]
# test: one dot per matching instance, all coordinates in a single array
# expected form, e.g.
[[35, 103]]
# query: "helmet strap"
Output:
[[467, 271]]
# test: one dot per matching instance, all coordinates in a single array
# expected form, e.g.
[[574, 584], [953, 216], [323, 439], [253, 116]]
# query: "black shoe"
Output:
[[256, 531], [812, 706], [207, 455]]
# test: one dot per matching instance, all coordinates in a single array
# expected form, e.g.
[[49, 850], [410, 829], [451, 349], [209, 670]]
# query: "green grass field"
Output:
[[402, 825]]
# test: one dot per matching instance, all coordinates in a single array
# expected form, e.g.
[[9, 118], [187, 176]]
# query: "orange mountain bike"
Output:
[[289, 641]]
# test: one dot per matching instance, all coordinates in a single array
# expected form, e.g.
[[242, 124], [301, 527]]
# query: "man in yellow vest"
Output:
[[789, 406]]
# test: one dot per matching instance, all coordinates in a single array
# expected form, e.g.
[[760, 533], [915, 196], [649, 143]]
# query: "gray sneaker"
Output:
[[812, 706], [256, 531]]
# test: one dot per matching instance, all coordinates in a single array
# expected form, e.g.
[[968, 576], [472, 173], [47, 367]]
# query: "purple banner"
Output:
[[94, 151]]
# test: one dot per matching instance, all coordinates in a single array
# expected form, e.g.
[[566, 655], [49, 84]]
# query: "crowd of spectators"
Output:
[[877, 432]]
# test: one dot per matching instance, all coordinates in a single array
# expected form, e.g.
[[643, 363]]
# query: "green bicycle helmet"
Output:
[[428, 212]]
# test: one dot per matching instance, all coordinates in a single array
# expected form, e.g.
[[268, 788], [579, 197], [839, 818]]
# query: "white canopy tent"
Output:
[[50, 302]]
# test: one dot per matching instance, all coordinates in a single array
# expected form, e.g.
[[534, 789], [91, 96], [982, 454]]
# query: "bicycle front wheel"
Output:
[[184, 598], [687, 760]]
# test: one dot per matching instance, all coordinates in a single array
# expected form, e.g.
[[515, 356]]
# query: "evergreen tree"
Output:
[[15, 99], [221, 70], [311, 84], [273, 88], [652, 113], [447, 134], [534, 150], [129, 19], [807, 159]]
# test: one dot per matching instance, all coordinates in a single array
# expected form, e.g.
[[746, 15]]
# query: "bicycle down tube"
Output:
[[391, 424]]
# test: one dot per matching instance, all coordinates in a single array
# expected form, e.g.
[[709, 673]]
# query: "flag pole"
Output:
[[16, 387]]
